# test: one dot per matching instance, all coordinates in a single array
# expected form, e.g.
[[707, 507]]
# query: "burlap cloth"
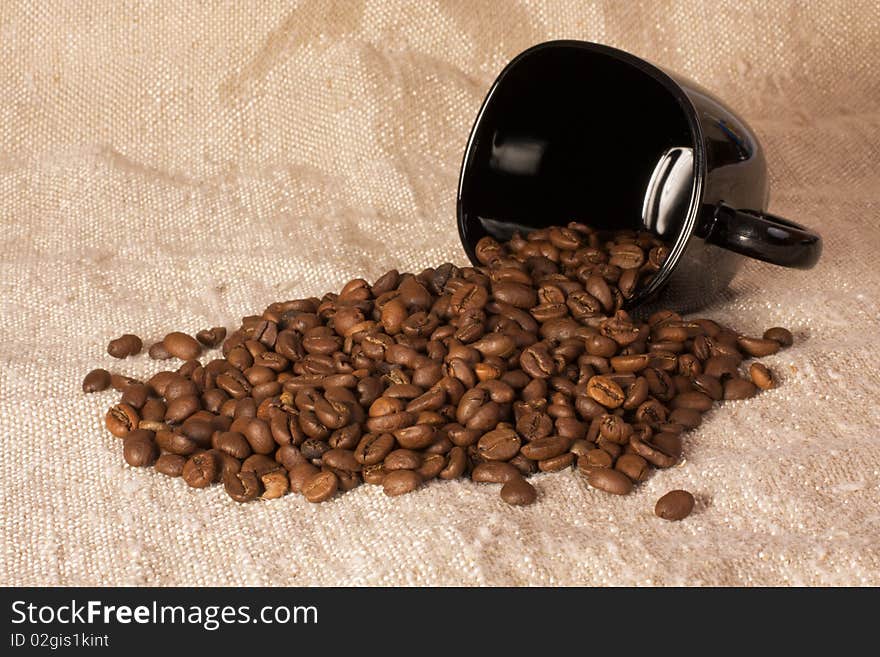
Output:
[[178, 165]]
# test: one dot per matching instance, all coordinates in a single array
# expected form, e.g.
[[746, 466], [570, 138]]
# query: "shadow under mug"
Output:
[[577, 131]]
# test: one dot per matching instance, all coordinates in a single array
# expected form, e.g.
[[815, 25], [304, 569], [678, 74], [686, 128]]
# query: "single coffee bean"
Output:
[[242, 486], [501, 444], [300, 474], [739, 389], [605, 391], [96, 381], [125, 346], [675, 505], [758, 347], [275, 484], [400, 482], [139, 448], [544, 448], [693, 400], [201, 470], [182, 346], [633, 466], [157, 351], [495, 472], [761, 376], [170, 465], [121, 419], [211, 337], [518, 492], [595, 458], [610, 481], [778, 334], [320, 487]]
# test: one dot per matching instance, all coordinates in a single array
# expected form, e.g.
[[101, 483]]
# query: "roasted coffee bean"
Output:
[[211, 337], [675, 505], [697, 401], [595, 458], [605, 391], [708, 385], [501, 444], [125, 346], [739, 389], [610, 481], [139, 448], [157, 351], [556, 463], [201, 470], [400, 482], [544, 448], [495, 472], [275, 484], [121, 419], [242, 486], [633, 466], [518, 492], [761, 376], [96, 381], [778, 334], [758, 347], [182, 346], [170, 465], [320, 487], [300, 474]]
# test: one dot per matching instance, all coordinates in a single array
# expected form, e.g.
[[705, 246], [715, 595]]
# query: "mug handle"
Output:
[[765, 237]]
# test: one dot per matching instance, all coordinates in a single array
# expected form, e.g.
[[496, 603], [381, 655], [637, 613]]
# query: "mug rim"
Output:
[[668, 82]]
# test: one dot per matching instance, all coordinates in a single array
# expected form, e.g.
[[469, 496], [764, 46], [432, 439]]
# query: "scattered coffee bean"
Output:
[[96, 381], [157, 351], [182, 346], [518, 492], [761, 376], [211, 337], [525, 364], [611, 481], [778, 334], [675, 505], [125, 346]]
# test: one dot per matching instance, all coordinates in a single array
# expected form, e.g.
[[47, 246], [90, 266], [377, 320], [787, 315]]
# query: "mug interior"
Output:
[[569, 132]]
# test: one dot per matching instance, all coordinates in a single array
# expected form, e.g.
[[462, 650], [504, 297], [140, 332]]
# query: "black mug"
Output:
[[577, 131]]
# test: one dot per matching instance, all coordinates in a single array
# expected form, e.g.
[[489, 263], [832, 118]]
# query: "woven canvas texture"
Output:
[[177, 165]]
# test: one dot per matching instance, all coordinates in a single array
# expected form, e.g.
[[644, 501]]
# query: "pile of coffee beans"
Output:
[[527, 363]]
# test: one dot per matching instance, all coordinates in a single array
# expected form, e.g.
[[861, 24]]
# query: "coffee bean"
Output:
[[605, 391], [182, 346], [211, 337], [545, 448], [675, 505], [157, 351], [633, 466], [275, 484], [610, 481], [778, 334], [96, 381], [121, 419], [501, 444], [201, 470], [758, 347], [595, 458], [494, 472], [761, 376], [125, 346], [518, 492], [739, 389], [242, 486], [400, 482], [300, 474], [320, 487], [693, 400], [139, 448], [170, 465]]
